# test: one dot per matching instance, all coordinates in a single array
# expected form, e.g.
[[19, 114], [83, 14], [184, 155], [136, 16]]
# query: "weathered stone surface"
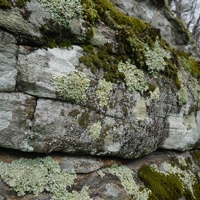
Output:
[[25, 23], [151, 12], [8, 54], [16, 113], [37, 69], [184, 132], [59, 126], [102, 183]]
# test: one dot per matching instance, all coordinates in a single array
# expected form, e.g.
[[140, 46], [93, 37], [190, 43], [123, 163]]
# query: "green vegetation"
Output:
[[35, 176], [134, 78], [165, 187], [84, 120], [72, 86], [63, 12], [4, 4], [126, 178], [103, 92], [95, 130], [190, 64], [21, 3]]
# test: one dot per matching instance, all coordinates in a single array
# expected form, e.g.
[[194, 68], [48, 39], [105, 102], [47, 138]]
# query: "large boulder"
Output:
[[116, 91]]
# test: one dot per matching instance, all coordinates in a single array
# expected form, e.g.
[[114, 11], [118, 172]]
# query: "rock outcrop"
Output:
[[126, 109], [97, 78]]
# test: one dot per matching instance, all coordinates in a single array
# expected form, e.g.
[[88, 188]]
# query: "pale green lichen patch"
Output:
[[35, 176], [72, 86], [135, 78], [63, 12], [182, 93], [195, 88], [154, 95], [103, 92], [82, 195], [182, 96], [155, 58], [95, 130], [126, 177], [140, 110]]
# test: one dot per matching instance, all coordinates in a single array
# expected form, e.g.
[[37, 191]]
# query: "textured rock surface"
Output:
[[37, 68], [73, 108], [153, 13], [97, 84], [8, 53], [97, 174], [16, 113]]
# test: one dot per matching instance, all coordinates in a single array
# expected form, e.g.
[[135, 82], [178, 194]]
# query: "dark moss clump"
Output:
[[165, 187], [190, 64], [196, 156], [56, 36], [196, 189], [21, 3], [104, 58], [152, 87], [84, 120], [74, 113], [4, 4]]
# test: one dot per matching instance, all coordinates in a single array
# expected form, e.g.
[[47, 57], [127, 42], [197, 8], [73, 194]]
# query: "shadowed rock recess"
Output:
[[93, 78]]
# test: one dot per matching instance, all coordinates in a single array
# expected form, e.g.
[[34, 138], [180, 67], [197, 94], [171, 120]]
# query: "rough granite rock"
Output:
[[36, 69], [159, 17], [74, 108], [16, 113], [114, 179], [8, 54]]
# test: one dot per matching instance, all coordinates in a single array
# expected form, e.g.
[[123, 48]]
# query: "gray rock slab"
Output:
[[184, 132], [8, 54], [74, 129], [16, 112], [37, 69]]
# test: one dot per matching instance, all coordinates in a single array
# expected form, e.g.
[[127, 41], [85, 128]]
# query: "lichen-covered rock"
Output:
[[24, 23], [161, 174], [184, 132], [37, 69], [16, 113], [8, 53], [171, 29], [104, 83]]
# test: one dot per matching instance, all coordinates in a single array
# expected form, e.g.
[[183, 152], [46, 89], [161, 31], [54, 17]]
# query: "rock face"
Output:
[[65, 99], [96, 78], [175, 174]]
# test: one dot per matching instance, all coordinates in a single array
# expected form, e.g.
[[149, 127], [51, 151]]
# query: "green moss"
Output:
[[84, 120], [196, 156], [74, 113], [196, 190], [89, 13], [21, 3], [104, 58], [165, 187], [4, 4], [152, 87], [190, 64]]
